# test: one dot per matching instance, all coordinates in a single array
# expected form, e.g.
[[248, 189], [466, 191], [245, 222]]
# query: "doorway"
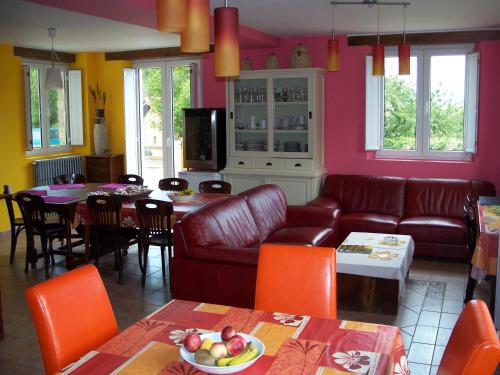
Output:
[[159, 90]]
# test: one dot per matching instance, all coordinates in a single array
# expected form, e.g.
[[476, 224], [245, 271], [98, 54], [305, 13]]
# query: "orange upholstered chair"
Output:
[[72, 315], [297, 279], [474, 347]]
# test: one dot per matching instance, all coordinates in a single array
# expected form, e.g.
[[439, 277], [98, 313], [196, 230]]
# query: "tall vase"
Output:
[[101, 134]]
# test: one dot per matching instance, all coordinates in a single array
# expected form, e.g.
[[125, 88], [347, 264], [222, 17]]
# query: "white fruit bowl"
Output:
[[189, 357]]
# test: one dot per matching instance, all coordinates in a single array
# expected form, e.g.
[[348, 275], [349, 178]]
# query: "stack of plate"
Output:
[[276, 145], [292, 146], [255, 145], [239, 146]]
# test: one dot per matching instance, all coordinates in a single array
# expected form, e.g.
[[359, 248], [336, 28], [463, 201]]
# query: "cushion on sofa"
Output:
[[367, 222], [434, 229], [314, 236], [224, 223], [268, 205], [241, 255]]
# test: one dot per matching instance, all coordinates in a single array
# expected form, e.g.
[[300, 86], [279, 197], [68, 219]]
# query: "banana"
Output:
[[225, 361], [250, 352], [206, 343]]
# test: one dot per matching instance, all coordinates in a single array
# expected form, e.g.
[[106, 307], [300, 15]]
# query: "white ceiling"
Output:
[[25, 24]]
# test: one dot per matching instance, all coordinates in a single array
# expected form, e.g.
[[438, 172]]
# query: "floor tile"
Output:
[[406, 340], [438, 353], [454, 307], [421, 353], [448, 320], [419, 369], [425, 335], [429, 318], [434, 370], [443, 336], [406, 317]]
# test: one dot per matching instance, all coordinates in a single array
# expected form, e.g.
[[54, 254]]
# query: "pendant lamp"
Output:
[[171, 15], [227, 42], [333, 48], [404, 50], [378, 68], [53, 76], [195, 38]]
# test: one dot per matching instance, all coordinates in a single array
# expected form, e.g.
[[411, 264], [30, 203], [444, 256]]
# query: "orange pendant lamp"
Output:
[[171, 15], [195, 38], [227, 42], [378, 68], [333, 48], [404, 50]]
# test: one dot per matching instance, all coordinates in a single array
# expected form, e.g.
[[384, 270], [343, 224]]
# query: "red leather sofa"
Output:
[[216, 248], [430, 210]]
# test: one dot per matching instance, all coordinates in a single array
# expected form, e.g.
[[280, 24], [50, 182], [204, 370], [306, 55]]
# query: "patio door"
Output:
[[155, 94]]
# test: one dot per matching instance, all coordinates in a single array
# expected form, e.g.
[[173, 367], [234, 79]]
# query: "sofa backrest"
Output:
[[223, 223], [268, 205], [442, 197], [358, 193]]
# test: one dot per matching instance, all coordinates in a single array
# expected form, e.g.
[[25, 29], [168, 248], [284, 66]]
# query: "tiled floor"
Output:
[[428, 311]]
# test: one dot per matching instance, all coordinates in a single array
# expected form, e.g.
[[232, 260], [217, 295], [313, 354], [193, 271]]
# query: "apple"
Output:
[[236, 345], [192, 342], [218, 350], [227, 333]]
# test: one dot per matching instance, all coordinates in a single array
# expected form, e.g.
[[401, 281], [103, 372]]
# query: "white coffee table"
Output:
[[373, 282]]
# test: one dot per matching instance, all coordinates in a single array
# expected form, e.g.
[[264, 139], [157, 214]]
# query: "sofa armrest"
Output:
[[240, 255], [325, 201], [310, 216]]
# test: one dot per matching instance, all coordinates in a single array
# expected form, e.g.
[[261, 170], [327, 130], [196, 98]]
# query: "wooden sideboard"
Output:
[[103, 168]]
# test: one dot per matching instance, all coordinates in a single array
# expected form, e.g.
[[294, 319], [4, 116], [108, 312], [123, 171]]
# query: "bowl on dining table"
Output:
[[216, 337]]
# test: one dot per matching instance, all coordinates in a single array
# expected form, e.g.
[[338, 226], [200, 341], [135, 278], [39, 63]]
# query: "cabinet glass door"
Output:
[[290, 121], [250, 116]]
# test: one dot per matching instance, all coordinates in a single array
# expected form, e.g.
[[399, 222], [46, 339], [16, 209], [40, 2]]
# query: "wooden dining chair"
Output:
[[107, 230], [173, 184], [298, 280], [71, 178], [16, 223], [130, 179], [155, 229], [34, 211], [72, 316], [215, 186], [473, 347]]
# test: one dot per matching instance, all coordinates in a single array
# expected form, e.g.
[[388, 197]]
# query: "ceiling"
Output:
[[113, 25]]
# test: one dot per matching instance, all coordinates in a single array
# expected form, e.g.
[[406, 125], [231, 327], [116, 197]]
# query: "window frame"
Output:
[[422, 136], [46, 148]]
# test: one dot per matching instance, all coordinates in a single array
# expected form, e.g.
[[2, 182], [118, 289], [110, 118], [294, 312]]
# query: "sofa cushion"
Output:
[[268, 206], [356, 193], [434, 229], [314, 236], [224, 223], [367, 222]]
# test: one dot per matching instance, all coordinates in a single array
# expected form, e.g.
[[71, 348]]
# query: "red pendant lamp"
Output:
[[227, 42], [333, 48], [171, 15], [378, 68], [195, 38], [404, 50]]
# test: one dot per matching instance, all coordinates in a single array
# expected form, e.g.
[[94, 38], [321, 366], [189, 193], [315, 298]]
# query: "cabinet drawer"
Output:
[[241, 163], [269, 163], [299, 164]]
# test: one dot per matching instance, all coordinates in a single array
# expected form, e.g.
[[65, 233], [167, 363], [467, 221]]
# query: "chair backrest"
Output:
[[297, 280], [173, 184], [154, 216], [33, 210], [104, 211], [7, 195], [72, 315], [215, 186], [131, 179], [473, 347], [72, 178]]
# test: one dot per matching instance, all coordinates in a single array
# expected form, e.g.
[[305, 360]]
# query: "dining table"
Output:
[[294, 344]]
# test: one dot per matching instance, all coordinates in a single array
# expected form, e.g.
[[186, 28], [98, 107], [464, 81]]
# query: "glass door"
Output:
[[291, 117]]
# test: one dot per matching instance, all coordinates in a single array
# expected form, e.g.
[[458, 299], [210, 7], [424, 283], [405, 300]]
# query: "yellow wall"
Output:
[[15, 166]]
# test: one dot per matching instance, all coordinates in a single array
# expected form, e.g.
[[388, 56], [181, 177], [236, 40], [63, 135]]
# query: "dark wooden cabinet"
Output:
[[105, 168]]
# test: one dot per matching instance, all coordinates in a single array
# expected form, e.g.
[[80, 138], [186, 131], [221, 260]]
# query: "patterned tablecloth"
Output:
[[484, 260], [294, 344]]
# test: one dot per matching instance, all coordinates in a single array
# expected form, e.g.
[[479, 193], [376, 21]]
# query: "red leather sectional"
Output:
[[430, 210], [216, 248]]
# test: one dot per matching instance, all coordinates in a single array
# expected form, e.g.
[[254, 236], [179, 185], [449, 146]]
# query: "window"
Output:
[[48, 111], [428, 114]]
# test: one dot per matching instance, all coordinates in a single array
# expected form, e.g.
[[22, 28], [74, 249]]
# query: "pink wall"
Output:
[[344, 113]]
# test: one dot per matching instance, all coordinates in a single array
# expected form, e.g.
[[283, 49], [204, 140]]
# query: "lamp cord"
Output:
[[404, 24], [333, 21], [378, 24]]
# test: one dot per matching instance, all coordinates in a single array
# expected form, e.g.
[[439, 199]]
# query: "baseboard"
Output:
[[5, 233]]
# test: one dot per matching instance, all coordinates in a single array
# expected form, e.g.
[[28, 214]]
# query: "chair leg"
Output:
[[145, 265], [469, 291], [140, 250], [119, 260], [493, 289], [45, 253], [13, 241], [163, 260]]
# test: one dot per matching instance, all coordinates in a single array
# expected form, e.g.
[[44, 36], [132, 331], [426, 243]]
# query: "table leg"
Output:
[[469, 291], [86, 236], [496, 307]]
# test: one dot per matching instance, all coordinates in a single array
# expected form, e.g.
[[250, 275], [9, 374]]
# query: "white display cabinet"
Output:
[[275, 131]]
